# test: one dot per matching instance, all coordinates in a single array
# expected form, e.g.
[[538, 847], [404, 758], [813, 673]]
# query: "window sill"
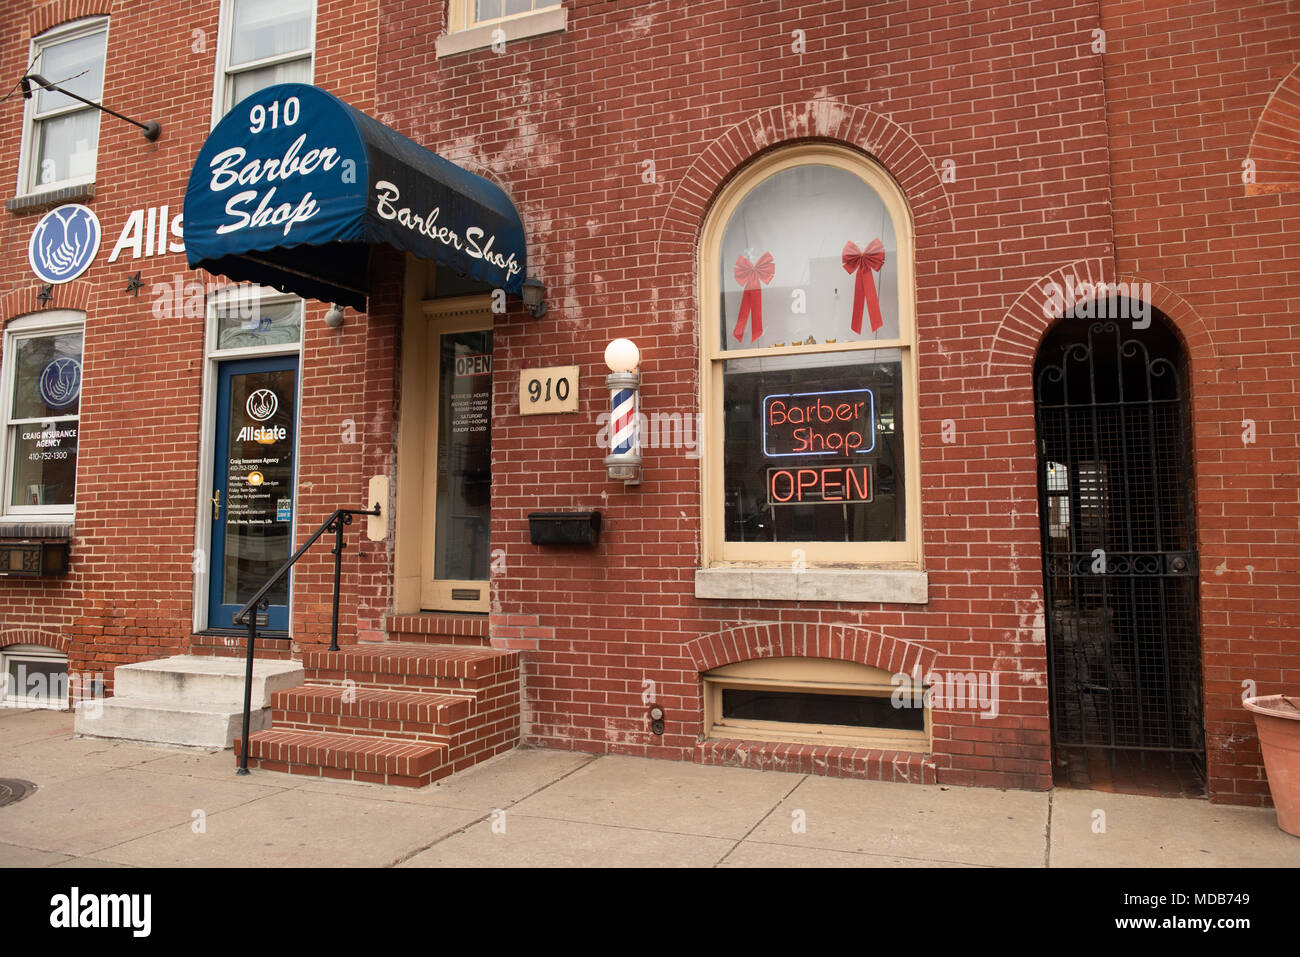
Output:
[[549, 20], [50, 197], [18, 528], [891, 585]]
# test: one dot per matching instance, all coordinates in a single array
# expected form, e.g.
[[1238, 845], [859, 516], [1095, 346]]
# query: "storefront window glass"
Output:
[[810, 358], [246, 324], [464, 484], [43, 411]]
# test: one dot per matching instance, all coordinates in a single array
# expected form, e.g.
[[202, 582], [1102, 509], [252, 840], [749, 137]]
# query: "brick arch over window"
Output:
[[22, 301], [47, 15], [1015, 344], [33, 636], [1275, 144], [866, 646], [890, 144]]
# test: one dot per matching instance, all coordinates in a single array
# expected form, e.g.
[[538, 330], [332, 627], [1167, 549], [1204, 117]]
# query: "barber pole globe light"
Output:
[[624, 382]]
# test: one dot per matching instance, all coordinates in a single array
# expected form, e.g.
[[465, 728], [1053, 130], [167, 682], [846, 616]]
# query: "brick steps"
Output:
[[454, 705], [371, 711], [407, 665], [439, 627], [346, 756]]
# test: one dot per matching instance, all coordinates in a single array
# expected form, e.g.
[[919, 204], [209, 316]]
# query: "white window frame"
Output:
[[34, 327], [221, 82], [460, 15], [31, 653], [463, 34], [265, 295], [27, 154]]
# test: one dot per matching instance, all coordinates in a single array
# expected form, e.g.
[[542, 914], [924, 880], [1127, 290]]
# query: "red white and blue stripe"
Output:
[[624, 422]]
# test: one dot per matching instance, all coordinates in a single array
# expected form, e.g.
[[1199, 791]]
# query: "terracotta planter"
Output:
[[1277, 718]]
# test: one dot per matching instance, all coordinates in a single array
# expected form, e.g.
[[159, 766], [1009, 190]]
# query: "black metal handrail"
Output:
[[335, 523]]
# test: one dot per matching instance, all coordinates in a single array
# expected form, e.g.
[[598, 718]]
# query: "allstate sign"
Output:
[[64, 243], [60, 382]]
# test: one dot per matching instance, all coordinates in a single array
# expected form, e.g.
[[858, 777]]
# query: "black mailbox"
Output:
[[33, 559], [564, 528]]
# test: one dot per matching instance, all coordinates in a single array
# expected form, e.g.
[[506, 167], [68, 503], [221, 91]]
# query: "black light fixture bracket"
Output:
[[151, 128]]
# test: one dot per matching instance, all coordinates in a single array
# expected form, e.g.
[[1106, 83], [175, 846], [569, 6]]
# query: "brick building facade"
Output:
[[1029, 143]]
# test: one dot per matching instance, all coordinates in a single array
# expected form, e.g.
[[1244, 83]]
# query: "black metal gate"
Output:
[[1119, 559]]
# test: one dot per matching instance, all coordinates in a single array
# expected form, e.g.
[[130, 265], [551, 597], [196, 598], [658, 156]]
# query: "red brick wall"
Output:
[[129, 595], [1122, 166], [565, 122], [1187, 89]]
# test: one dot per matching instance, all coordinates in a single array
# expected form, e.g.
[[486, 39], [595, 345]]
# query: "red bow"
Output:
[[749, 275], [864, 262]]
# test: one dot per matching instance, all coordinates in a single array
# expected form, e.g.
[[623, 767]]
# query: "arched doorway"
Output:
[[1119, 553]]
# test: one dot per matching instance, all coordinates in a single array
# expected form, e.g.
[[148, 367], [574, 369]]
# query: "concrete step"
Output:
[[194, 679], [371, 712], [351, 757], [154, 720]]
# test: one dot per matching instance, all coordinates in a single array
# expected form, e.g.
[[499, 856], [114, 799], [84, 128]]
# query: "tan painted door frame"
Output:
[[425, 320]]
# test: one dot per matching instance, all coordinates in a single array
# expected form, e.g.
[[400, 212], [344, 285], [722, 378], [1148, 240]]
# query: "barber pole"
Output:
[[624, 460], [623, 416]]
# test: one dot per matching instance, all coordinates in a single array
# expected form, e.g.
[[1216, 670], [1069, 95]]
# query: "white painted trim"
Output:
[[66, 31], [532, 24], [893, 585], [222, 74], [32, 327]]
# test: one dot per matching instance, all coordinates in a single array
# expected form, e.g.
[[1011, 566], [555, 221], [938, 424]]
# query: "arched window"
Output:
[[807, 299]]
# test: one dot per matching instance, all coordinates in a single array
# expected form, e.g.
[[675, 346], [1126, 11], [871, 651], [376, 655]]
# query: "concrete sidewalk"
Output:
[[100, 803]]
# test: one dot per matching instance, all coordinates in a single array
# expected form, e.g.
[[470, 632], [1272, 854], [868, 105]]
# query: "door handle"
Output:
[[216, 506]]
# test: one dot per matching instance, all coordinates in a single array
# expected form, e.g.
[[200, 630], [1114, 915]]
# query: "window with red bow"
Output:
[[808, 298]]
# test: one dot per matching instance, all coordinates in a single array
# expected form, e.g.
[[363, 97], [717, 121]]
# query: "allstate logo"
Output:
[[64, 243], [261, 405], [60, 382]]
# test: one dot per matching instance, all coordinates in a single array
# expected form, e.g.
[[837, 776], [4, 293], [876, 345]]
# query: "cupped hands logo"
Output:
[[60, 382], [64, 243], [261, 405]]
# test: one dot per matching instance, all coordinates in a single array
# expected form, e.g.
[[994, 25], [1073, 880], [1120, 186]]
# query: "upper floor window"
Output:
[[263, 44], [807, 305], [476, 13], [41, 409], [62, 134]]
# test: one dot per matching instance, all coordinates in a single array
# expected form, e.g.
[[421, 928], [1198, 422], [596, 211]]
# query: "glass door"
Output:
[[458, 470], [253, 487]]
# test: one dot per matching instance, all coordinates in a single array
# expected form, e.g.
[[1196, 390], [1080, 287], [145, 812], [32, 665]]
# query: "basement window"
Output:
[[813, 701], [33, 676]]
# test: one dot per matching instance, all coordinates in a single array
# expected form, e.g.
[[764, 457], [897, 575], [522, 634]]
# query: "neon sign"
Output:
[[819, 423], [824, 484]]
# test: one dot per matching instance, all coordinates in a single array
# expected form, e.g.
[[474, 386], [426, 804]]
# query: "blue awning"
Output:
[[294, 186]]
